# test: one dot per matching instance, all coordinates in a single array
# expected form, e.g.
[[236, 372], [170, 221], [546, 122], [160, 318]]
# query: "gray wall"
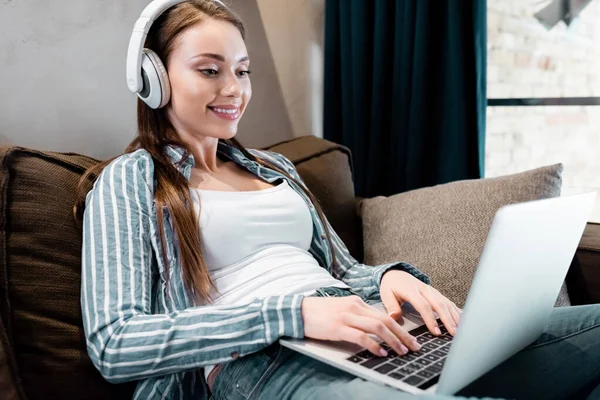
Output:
[[63, 77]]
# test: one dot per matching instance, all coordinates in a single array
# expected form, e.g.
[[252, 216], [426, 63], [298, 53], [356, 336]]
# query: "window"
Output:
[[544, 89]]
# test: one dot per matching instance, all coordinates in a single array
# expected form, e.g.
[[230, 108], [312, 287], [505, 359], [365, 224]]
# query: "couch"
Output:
[[42, 345]]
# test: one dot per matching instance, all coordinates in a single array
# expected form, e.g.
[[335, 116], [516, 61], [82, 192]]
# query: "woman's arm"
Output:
[[125, 340], [363, 279]]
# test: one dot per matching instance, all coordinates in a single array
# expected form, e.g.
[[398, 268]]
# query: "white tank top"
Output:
[[256, 244]]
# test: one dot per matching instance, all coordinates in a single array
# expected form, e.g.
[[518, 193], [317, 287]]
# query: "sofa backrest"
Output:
[[40, 272], [42, 345]]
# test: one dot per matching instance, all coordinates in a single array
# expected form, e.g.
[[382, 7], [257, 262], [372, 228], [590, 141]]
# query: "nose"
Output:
[[231, 85]]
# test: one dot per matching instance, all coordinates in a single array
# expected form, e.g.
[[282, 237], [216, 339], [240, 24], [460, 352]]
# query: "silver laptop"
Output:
[[526, 257]]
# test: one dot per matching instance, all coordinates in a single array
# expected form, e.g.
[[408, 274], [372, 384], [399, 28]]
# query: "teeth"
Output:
[[224, 111]]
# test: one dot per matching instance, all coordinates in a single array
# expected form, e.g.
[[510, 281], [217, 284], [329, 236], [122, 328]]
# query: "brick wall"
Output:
[[526, 60]]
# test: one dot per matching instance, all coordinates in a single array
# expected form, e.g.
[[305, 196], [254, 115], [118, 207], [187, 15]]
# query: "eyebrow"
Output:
[[219, 57]]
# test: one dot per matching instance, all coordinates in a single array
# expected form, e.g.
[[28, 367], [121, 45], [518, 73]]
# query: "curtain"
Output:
[[405, 90]]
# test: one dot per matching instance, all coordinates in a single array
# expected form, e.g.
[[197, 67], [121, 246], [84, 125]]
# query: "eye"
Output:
[[209, 72], [245, 73]]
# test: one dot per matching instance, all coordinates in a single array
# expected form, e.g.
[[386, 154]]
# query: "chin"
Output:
[[225, 135]]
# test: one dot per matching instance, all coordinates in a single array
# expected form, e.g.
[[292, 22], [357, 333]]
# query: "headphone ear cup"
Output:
[[156, 91]]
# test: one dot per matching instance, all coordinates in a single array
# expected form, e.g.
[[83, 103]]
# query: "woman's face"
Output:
[[210, 86]]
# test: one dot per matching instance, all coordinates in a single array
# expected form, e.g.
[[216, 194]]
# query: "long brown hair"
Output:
[[155, 132]]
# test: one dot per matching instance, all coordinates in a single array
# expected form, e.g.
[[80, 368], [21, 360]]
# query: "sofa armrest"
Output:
[[583, 279]]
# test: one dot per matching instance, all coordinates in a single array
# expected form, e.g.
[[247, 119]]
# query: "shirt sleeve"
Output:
[[365, 280], [126, 339]]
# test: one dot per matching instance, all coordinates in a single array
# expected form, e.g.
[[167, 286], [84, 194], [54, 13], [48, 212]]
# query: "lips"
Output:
[[225, 112]]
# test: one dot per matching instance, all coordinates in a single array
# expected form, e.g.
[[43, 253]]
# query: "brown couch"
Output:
[[42, 346]]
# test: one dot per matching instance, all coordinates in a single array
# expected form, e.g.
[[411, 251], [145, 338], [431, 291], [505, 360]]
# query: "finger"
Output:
[[397, 316], [450, 324], [439, 303], [425, 309], [357, 336], [392, 305], [377, 326], [406, 338], [455, 315]]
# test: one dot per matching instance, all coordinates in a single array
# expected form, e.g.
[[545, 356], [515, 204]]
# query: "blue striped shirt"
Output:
[[137, 328]]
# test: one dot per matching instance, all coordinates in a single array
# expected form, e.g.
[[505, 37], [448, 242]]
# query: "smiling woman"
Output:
[[199, 254], [173, 289]]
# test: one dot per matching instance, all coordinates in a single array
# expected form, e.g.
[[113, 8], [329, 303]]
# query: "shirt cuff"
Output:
[[400, 266], [283, 317]]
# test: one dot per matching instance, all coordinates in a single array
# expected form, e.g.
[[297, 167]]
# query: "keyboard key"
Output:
[[430, 345], [446, 337], [407, 370], [385, 345], [385, 368], [431, 357], [423, 361], [438, 341], [373, 362], [443, 329], [422, 339], [355, 359], [425, 374], [439, 353], [429, 336], [399, 361], [365, 354], [392, 354], [445, 349], [417, 331], [424, 350], [396, 375], [414, 380], [409, 357], [440, 363], [433, 369]]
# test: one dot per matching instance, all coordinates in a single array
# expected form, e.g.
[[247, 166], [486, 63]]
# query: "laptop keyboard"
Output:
[[421, 369]]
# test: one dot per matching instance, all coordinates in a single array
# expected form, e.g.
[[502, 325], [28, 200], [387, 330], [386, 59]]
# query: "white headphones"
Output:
[[146, 73]]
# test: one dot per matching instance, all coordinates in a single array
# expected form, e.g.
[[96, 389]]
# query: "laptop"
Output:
[[524, 262]]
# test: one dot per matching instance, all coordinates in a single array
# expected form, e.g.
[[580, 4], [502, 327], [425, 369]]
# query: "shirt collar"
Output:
[[184, 161]]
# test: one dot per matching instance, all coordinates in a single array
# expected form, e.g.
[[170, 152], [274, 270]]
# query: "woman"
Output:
[[199, 255]]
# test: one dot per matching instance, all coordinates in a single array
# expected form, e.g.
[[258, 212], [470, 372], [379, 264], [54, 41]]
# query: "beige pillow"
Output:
[[442, 229]]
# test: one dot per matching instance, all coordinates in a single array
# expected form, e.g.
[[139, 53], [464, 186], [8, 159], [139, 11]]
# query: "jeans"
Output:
[[563, 363]]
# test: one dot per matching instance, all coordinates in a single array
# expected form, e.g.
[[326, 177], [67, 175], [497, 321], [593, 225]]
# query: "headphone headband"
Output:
[[138, 38]]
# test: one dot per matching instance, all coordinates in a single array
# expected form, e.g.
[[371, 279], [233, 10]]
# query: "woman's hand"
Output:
[[399, 286], [350, 318]]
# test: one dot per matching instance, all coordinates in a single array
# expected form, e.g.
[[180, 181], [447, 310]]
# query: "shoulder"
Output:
[[137, 162], [278, 159], [130, 169]]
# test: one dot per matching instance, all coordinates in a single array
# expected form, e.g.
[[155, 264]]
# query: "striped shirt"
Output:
[[140, 324]]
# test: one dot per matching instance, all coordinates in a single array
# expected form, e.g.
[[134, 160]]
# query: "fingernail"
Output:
[[437, 330], [383, 353], [404, 349]]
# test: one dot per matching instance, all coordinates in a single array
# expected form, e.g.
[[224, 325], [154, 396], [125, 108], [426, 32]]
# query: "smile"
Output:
[[226, 113]]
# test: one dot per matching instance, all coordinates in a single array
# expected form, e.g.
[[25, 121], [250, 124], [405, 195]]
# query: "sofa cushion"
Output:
[[41, 276], [442, 229], [326, 168]]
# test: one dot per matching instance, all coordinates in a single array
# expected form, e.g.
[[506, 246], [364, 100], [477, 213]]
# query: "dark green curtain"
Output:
[[405, 90]]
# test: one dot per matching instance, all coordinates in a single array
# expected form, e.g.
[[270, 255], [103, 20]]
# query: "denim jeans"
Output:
[[564, 363]]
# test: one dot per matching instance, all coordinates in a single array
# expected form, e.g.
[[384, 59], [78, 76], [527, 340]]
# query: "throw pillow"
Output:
[[442, 229]]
